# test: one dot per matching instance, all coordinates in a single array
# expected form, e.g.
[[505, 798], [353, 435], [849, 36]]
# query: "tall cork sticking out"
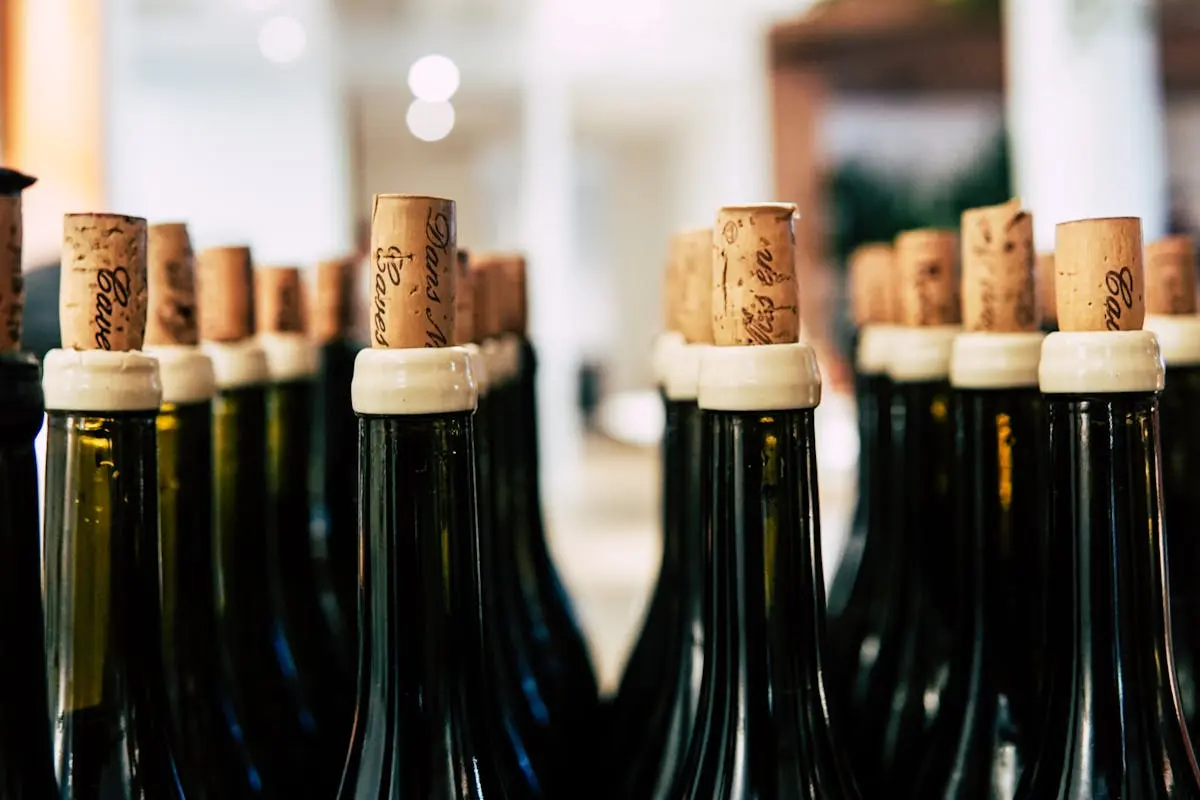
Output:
[[413, 260], [672, 285], [171, 286], [1171, 276], [487, 292], [873, 284], [927, 281], [12, 281], [1099, 280], [278, 300], [999, 281], [333, 307], [694, 290], [516, 298], [755, 300], [225, 287], [464, 301], [102, 298], [1047, 302]]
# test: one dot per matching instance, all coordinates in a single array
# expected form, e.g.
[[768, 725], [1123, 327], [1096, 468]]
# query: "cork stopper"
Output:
[[225, 286], [102, 297], [999, 283], [1171, 276], [1047, 302], [171, 286], [1098, 275], [12, 282], [333, 306], [516, 300], [872, 284], [413, 243], [464, 301], [694, 291], [278, 300], [483, 289], [755, 299], [927, 284]]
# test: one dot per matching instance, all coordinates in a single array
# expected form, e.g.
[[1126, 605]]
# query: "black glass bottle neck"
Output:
[[1114, 727]]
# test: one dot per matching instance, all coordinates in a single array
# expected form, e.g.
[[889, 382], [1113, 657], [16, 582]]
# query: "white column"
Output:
[[547, 220], [1085, 111]]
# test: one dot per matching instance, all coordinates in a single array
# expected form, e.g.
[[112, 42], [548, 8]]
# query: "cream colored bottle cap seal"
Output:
[[413, 244], [171, 286], [1171, 276], [872, 281], [464, 301], [12, 281], [225, 286], [102, 300], [755, 300], [927, 278], [999, 283], [333, 309], [278, 300], [694, 290], [1099, 276], [1047, 302]]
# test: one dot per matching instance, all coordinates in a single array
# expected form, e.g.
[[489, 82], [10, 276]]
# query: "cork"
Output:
[[413, 261], [102, 297], [488, 289], [1171, 276], [1098, 277], [12, 281], [872, 284], [755, 300], [225, 290], [694, 289], [516, 299], [278, 300], [464, 301], [333, 306], [1045, 287], [927, 283], [999, 282], [170, 286]]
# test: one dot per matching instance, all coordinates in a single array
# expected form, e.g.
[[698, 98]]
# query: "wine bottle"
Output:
[[894, 695], [292, 575], [988, 721], [1113, 725], [211, 757], [860, 591], [767, 732], [108, 705], [418, 731], [335, 458], [266, 693], [1045, 292], [1170, 282], [26, 765], [654, 714]]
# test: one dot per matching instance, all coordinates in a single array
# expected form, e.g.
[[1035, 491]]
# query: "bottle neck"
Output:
[[870, 551], [530, 532]]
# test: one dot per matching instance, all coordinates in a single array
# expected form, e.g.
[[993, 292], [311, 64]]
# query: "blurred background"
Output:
[[584, 132]]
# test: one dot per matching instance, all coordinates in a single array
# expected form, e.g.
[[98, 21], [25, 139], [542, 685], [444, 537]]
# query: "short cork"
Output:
[[516, 306], [12, 281], [1171, 276], [694, 291], [171, 286], [999, 281], [872, 281], [333, 307], [225, 288], [1047, 302], [927, 278], [755, 300], [464, 301], [278, 300], [672, 285], [1098, 275], [485, 295], [413, 261], [102, 297]]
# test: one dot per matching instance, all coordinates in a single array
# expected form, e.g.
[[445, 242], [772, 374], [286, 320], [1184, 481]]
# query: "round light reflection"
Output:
[[428, 121], [433, 78], [282, 39]]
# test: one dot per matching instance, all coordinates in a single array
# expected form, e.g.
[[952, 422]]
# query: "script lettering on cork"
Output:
[[1119, 284], [437, 253], [112, 290], [758, 316], [1000, 292], [389, 265]]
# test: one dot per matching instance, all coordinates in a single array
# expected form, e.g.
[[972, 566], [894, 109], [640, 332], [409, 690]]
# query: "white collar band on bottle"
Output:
[[407, 382], [1178, 338], [1101, 362], [875, 343], [479, 368], [772, 377], [237, 364], [101, 381], [186, 372], [663, 354], [920, 355], [681, 377], [985, 360], [290, 356]]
